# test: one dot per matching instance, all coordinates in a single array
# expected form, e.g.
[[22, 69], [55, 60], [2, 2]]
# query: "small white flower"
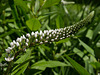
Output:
[[58, 33], [9, 59], [52, 40], [17, 44], [41, 37], [67, 36], [26, 44], [54, 35], [40, 32], [63, 34], [19, 40], [11, 44], [47, 38], [35, 35], [65, 28], [36, 40], [46, 41], [45, 31], [8, 50], [61, 38], [27, 40], [14, 41], [50, 35], [37, 32], [41, 42], [23, 37], [27, 35], [56, 38], [32, 33]]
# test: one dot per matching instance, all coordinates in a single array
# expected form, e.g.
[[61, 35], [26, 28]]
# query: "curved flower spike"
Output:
[[46, 36]]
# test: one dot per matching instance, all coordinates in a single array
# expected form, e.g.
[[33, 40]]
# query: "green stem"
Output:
[[8, 68]]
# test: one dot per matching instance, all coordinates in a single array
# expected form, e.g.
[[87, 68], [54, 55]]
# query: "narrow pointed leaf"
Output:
[[81, 70]]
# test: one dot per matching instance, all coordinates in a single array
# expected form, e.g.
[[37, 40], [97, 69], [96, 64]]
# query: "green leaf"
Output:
[[78, 52], [1, 30], [11, 31], [33, 24], [63, 41], [24, 57], [89, 49], [37, 6], [38, 65], [21, 4], [22, 64], [96, 65], [42, 65], [89, 34], [41, 49], [77, 66], [20, 70], [49, 3], [59, 22], [97, 29]]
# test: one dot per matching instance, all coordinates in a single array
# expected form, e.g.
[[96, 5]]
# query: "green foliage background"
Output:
[[76, 55]]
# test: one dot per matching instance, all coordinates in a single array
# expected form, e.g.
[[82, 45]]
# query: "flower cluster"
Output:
[[41, 37]]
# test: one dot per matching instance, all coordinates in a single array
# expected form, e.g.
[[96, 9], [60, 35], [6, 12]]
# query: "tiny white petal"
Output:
[[46, 41], [35, 35], [32, 33], [19, 40], [28, 35], [17, 44], [41, 37], [52, 39], [26, 44], [45, 31], [23, 37], [14, 41], [36, 32], [63, 37], [63, 34], [40, 32], [54, 35], [8, 50], [47, 37], [41, 42], [55, 38], [36, 40], [60, 38], [11, 44], [50, 35], [9, 59], [27, 40]]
